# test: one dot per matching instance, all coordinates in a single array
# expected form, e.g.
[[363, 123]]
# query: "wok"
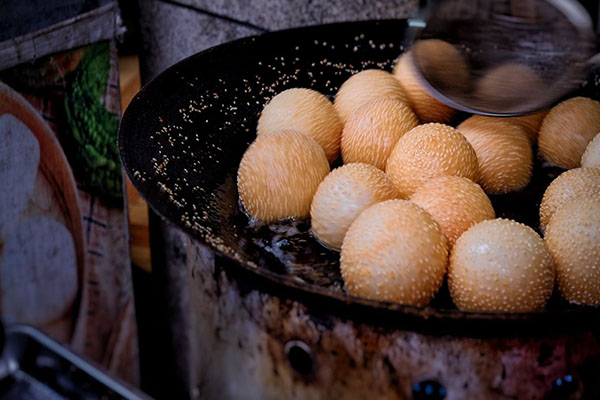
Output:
[[182, 137]]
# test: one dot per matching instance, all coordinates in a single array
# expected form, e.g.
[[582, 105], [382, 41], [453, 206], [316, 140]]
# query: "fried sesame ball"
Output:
[[573, 238], [500, 265], [567, 130], [510, 87], [455, 203], [373, 130], [442, 64], [279, 174], [503, 151], [394, 251], [428, 151], [363, 87], [591, 155], [306, 111], [442, 54], [569, 185], [342, 196], [530, 123]]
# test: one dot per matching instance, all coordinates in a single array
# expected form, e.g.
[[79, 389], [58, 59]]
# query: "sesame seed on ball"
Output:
[[279, 174], [394, 251], [567, 130], [570, 184], [530, 123], [374, 129], [500, 265], [442, 63], [342, 196], [503, 151], [510, 87], [363, 87], [428, 151], [591, 156], [456, 203], [306, 111], [573, 238]]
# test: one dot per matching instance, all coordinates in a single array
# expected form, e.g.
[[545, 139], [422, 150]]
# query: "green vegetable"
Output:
[[94, 129]]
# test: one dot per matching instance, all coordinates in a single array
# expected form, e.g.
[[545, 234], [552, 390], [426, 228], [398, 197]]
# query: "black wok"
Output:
[[183, 135]]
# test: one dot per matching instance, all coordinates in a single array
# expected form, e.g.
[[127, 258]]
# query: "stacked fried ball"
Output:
[[410, 206]]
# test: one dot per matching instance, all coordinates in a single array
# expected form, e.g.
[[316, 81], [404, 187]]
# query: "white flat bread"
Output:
[[38, 272], [19, 161]]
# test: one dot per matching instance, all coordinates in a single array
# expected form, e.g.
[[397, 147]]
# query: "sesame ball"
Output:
[[500, 265], [428, 151], [371, 132], [573, 238], [363, 87], [306, 111], [394, 251], [279, 174], [567, 130], [456, 203], [342, 196]]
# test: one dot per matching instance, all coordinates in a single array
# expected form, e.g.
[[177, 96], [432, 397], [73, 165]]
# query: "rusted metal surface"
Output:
[[251, 345]]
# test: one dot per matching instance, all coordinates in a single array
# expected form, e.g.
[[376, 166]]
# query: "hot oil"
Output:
[[288, 246]]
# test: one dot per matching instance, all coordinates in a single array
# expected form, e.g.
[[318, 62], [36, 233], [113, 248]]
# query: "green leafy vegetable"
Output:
[[94, 128]]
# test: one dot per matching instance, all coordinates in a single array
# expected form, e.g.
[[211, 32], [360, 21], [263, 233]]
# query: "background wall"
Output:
[[172, 30]]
